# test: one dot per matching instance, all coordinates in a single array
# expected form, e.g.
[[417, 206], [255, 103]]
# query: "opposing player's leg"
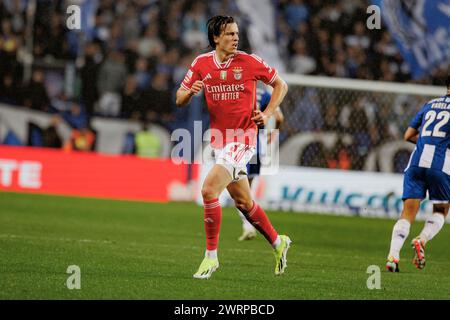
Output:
[[439, 192], [400, 232], [414, 190], [241, 194], [215, 182], [248, 230], [434, 223], [431, 228]]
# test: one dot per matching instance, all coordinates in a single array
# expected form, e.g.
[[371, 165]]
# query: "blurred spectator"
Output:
[[131, 26], [358, 38], [115, 41], [9, 90], [89, 75], [34, 135], [307, 109], [181, 68], [147, 144], [172, 31], [35, 96], [55, 39], [15, 9], [131, 98], [110, 81], [359, 128], [172, 38], [156, 100], [9, 46], [168, 62], [295, 12], [141, 73], [150, 45], [75, 116], [339, 66], [314, 155], [331, 119], [112, 73], [194, 27], [82, 139], [386, 46], [382, 129], [339, 157], [50, 135], [301, 61]]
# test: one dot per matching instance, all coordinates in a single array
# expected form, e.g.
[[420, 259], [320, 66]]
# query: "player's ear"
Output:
[[216, 40]]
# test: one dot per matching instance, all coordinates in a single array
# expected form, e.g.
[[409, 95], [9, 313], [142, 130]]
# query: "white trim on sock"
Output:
[[211, 254], [277, 242]]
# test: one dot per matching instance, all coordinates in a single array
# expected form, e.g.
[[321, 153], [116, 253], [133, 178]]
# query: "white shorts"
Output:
[[234, 157]]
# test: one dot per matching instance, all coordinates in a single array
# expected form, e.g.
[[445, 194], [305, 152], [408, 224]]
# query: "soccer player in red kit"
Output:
[[228, 78]]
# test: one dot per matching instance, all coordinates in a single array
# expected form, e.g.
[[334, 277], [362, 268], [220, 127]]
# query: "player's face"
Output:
[[228, 39]]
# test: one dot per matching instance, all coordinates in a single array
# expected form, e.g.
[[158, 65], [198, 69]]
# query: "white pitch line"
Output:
[[14, 236]]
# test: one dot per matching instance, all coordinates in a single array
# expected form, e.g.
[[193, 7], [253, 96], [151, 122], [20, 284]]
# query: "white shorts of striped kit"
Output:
[[234, 157]]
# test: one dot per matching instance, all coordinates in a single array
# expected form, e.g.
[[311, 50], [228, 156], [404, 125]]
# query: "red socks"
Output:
[[258, 218], [213, 217]]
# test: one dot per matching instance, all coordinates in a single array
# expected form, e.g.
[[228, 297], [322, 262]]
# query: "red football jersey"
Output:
[[230, 91]]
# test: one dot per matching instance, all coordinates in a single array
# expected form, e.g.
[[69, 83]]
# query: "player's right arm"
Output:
[[190, 86], [184, 96], [411, 135]]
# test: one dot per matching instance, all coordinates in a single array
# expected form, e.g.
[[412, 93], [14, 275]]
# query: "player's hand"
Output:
[[260, 118], [196, 87]]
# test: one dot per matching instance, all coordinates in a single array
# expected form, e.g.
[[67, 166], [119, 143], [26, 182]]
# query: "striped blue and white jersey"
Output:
[[262, 101], [432, 148], [262, 98]]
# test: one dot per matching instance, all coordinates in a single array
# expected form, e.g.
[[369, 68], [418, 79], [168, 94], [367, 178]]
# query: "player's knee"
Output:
[[208, 193], [441, 208], [410, 209], [408, 214]]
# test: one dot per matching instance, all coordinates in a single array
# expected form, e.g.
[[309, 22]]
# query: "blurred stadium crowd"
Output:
[[130, 63]]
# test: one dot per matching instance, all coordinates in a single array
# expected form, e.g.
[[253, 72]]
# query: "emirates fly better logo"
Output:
[[223, 92]]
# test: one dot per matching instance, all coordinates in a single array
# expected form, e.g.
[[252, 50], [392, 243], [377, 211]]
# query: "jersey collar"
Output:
[[222, 65]]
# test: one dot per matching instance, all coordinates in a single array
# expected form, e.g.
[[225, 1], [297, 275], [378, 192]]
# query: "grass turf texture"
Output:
[[131, 250]]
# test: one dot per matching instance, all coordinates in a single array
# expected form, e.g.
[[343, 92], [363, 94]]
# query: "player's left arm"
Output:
[[411, 135], [280, 88], [279, 118]]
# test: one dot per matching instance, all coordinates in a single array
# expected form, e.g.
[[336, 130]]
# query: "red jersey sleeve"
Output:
[[191, 76], [262, 70]]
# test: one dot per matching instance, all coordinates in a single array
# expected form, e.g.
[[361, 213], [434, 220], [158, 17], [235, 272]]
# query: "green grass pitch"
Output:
[[135, 250]]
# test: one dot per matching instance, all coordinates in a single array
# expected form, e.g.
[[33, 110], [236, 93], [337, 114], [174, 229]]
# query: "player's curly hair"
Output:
[[215, 27], [448, 81]]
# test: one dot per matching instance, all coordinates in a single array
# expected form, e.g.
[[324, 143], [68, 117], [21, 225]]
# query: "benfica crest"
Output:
[[237, 71]]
